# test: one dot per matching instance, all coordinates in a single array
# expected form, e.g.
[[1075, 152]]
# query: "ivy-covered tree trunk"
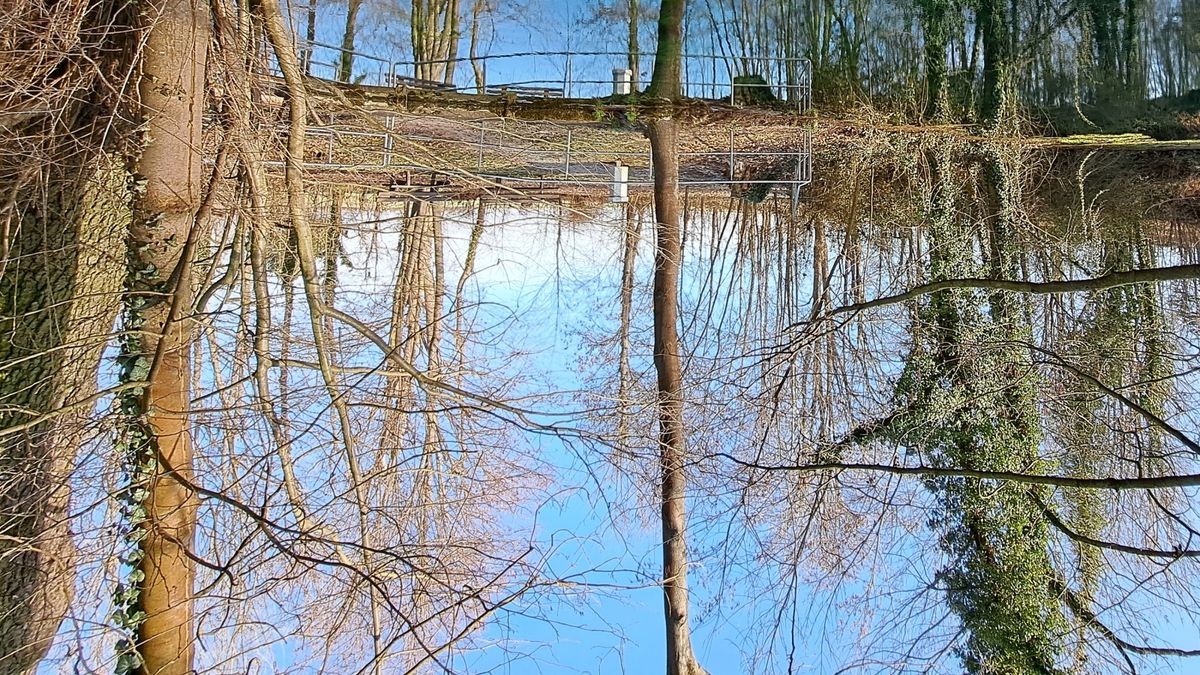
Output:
[[997, 58], [935, 21], [970, 402], [159, 297]]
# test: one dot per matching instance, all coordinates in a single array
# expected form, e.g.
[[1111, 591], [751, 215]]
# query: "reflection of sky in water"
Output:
[[564, 281], [542, 295], [548, 290]]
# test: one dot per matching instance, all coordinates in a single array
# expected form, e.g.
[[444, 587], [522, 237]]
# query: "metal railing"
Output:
[[557, 161], [585, 74]]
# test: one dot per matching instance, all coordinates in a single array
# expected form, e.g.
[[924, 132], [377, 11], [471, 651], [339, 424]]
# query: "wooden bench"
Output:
[[523, 91], [415, 83]]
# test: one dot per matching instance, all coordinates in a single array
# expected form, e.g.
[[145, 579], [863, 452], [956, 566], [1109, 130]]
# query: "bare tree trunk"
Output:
[[624, 371], [346, 62], [667, 259], [667, 363], [665, 83], [634, 60], [163, 230], [434, 32], [310, 36], [476, 64], [450, 37]]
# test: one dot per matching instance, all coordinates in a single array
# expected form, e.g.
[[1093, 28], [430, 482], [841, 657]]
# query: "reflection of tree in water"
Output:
[[434, 474], [968, 396], [984, 387], [987, 380], [440, 473], [1118, 341], [966, 378]]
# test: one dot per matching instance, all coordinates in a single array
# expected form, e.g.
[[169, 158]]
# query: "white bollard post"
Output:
[[620, 184], [622, 77]]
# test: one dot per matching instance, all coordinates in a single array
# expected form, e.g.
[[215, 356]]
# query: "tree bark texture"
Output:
[[172, 98], [665, 82], [62, 222], [58, 299], [434, 33], [667, 364]]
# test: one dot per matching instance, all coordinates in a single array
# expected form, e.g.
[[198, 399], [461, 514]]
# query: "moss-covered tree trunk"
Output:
[[665, 81], [59, 295], [62, 222], [158, 300]]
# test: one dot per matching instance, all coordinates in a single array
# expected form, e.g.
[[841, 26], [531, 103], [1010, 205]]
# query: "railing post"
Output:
[[731, 160], [808, 87], [567, 158], [713, 91], [808, 156], [799, 172], [619, 192], [683, 75], [482, 131], [567, 77], [622, 78], [329, 157], [390, 123], [799, 94]]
